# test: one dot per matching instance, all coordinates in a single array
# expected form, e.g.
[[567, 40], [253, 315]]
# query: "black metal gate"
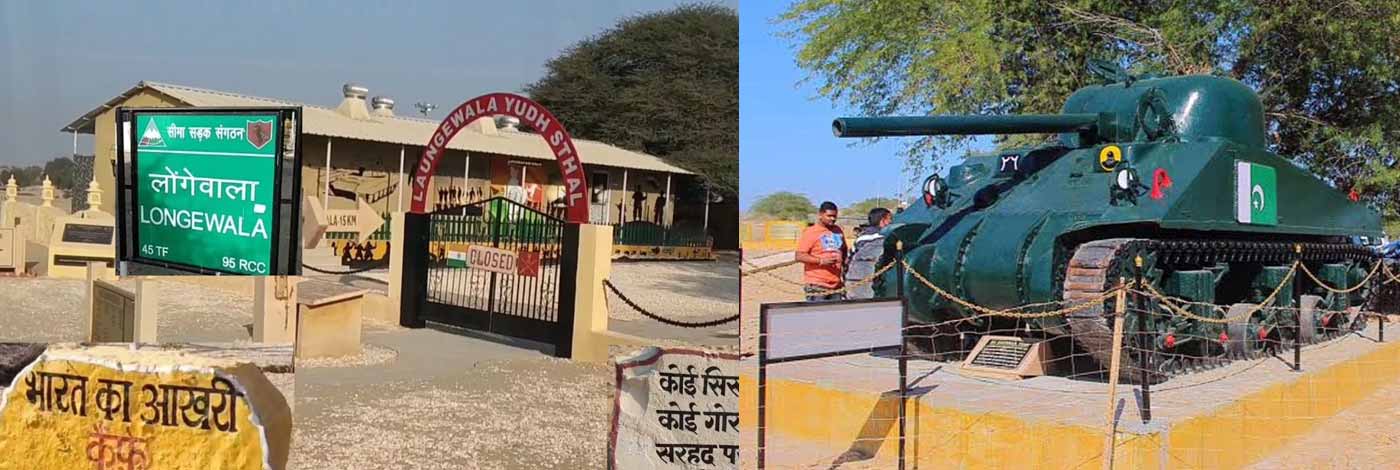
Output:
[[457, 290]]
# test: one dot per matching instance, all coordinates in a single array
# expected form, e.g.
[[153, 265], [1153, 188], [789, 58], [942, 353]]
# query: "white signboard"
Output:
[[815, 328], [491, 259], [676, 409]]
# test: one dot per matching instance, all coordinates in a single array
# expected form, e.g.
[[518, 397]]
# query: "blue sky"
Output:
[[60, 59], [785, 141]]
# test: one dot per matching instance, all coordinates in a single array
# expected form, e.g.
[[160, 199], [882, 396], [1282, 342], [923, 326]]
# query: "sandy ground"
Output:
[[1366, 435], [761, 288]]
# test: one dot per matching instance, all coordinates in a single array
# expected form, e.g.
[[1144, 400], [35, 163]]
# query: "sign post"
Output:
[[209, 191]]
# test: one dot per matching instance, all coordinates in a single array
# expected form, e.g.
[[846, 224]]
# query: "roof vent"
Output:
[[353, 106], [383, 106], [508, 123]]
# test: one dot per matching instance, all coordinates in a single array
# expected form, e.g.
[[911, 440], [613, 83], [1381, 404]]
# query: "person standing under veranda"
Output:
[[822, 251], [867, 250], [637, 199]]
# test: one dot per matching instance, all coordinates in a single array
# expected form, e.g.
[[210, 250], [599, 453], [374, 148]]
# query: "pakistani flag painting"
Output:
[[1256, 194], [456, 259]]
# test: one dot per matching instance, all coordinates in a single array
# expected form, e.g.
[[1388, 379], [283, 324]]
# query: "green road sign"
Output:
[[1256, 194], [206, 192]]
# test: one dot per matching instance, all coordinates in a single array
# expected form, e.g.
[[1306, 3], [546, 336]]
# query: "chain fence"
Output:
[[1128, 377]]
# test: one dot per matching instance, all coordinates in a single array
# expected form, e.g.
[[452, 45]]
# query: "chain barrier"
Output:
[[1153, 292], [653, 316], [352, 271], [1374, 270], [1009, 313], [1172, 303], [822, 292]]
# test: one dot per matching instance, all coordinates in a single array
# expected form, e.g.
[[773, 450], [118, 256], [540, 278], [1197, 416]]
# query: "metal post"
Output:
[[1381, 318], [1297, 320], [467, 174], [326, 192], [903, 343], [762, 380], [75, 148], [1147, 347], [493, 223]]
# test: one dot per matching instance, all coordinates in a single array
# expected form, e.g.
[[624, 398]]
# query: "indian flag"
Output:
[[1256, 194], [456, 259]]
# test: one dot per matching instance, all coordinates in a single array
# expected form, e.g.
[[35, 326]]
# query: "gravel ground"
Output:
[[369, 355], [689, 290], [51, 310], [416, 412]]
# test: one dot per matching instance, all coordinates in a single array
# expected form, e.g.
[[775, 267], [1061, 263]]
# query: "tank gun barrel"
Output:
[[967, 125]]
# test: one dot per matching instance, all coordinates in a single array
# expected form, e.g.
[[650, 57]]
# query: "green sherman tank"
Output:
[[1175, 170]]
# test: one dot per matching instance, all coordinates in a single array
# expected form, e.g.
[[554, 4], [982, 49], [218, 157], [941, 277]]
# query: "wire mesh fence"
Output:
[[1129, 377]]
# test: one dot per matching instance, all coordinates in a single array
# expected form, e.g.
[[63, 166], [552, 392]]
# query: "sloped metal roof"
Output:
[[400, 130]]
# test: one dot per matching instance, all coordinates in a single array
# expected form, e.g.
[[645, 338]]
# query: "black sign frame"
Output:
[[286, 256]]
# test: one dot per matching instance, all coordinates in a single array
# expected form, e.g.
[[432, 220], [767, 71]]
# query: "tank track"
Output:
[[1096, 266]]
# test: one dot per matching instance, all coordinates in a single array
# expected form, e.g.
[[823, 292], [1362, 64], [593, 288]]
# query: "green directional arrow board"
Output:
[[1256, 194], [205, 189]]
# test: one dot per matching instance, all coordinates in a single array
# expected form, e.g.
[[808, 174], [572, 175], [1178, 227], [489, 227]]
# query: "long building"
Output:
[[362, 150]]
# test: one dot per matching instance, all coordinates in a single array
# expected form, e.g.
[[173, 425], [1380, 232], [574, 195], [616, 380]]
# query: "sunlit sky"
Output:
[[60, 59]]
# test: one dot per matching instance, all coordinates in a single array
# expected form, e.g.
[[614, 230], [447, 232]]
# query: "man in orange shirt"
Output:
[[822, 252]]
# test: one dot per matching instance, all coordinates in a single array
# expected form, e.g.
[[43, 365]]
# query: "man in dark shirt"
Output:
[[869, 246]]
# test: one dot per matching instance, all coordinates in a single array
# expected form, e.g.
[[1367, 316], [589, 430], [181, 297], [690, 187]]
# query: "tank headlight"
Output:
[[935, 192], [1125, 186], [1126, 179]]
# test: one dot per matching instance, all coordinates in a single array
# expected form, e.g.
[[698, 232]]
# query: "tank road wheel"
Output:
[[1242, 337]]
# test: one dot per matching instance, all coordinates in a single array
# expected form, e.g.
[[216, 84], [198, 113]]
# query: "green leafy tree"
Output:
[[783, 205], [1328, 72], [862, 208], [24, 175], [63, 173], [663, 83]]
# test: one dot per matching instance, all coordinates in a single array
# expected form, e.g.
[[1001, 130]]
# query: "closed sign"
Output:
[[491, 259]]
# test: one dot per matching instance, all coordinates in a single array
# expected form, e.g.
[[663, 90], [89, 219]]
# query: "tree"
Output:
[[665, 83], [783, 205], [1328, 72], [862, 208], [63, 173]]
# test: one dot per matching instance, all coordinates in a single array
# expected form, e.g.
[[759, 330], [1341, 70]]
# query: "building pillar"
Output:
[[670, 205], [622, 218], [401, 179]]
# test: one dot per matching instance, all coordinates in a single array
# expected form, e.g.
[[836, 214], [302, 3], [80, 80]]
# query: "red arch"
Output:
[[529, 113]]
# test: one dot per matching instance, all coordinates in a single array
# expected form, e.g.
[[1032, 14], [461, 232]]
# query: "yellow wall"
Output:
[[105, 143]]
